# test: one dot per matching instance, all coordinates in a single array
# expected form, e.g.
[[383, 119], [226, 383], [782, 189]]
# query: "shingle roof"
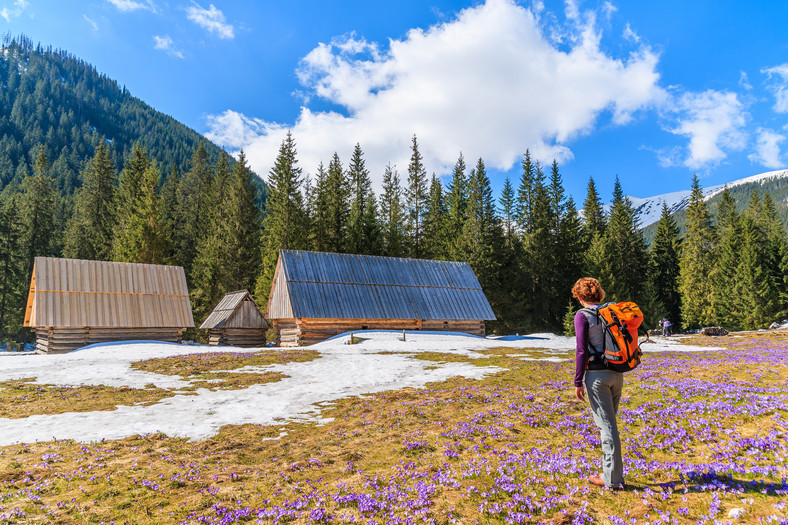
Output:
[[75, 292], [344, 286], [226, 307]]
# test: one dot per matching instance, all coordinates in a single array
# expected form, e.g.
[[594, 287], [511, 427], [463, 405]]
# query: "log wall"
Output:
[[298, 332], [243, 337], [57, 340]]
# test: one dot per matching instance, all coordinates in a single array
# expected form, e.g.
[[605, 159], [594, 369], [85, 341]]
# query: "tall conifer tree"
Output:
[[456, 203], [360, 230], [624, 251], [434, 236], [726, 275], [38, 203], [90, 230], [664, 268], [13, 280], [284, 226], [697, 263], [416, 197], [337, 194], [193, 215], [393, 213]]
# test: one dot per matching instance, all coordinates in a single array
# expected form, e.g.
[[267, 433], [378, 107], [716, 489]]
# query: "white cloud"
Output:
[[767, 150], [165, 43], [90, 21], [779, 76], [211, 19], [14, 12], [132, 5], [489, 82], [713, 122]]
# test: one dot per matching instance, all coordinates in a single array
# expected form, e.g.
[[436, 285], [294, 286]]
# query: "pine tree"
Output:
[[593, 214], [510, 317], [433, 236], [726, 277], [624, 259], [416, 196], [242, 226], [758, 294], [508, 210], [337, 195], [90, 231], [140, 235], [525, 195], [285, 225], [13, 281], [38, 204], [393, 214], [456, 204], [777, 255], [210, 275], [194, 204], [361, 197], [319, 212], [697, 263], [568, 244], [482, 236], [663, 274]]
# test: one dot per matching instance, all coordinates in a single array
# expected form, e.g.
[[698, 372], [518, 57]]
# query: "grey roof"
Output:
[[344, 286], [222, 312]]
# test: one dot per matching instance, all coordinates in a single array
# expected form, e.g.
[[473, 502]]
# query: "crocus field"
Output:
[[705, 438]]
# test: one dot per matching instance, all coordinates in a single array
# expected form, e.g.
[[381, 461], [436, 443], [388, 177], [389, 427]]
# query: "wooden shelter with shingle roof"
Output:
[[236, 321], [73, 303], [317, 295]]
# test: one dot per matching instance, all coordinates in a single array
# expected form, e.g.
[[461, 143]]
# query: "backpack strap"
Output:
[[596, 355]]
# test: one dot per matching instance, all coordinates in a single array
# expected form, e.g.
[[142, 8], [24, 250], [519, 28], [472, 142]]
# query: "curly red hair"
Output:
[[588, 290]]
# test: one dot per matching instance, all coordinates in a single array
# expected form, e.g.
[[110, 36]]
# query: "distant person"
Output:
[[603, 385], [666, 327]]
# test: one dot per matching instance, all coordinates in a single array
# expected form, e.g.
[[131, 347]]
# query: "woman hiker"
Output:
[[603, 385]]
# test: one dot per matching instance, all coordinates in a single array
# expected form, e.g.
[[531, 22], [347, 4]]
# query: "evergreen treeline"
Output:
[[530, 245], [205, 220]]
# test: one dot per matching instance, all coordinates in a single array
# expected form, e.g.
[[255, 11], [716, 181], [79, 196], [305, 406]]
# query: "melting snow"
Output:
[[381, 362]]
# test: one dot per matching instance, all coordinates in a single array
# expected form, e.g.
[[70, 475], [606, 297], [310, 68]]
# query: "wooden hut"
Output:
[[73, 303], [316, 295], [236, 321]]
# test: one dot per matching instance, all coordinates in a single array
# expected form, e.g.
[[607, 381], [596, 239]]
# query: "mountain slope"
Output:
[[773, 182], [53, 99]]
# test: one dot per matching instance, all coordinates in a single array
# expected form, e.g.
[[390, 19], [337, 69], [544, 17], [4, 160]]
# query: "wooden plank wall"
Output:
[[246, 315], [243, 337], [298, 332], [57, 340]]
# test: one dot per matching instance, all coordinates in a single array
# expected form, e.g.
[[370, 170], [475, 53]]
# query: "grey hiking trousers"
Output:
[[604, 393]]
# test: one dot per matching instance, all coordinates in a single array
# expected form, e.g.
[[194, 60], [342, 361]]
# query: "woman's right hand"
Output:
[[580, 393]]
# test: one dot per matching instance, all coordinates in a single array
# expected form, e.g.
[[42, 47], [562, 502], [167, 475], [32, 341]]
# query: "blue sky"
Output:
[[649, 91]]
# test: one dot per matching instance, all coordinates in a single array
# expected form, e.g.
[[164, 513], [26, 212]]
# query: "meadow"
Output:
[[705, 439]]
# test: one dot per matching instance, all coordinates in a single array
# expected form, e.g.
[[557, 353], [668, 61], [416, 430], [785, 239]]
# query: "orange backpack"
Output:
[[620, 322]]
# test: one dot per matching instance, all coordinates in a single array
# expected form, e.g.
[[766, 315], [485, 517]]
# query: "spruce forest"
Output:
[[76, 183]]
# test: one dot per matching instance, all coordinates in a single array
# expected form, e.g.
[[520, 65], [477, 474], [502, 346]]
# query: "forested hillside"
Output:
[[52, 99]]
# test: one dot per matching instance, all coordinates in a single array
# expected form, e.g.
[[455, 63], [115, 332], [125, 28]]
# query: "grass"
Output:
[[21, 398], [703, 433]]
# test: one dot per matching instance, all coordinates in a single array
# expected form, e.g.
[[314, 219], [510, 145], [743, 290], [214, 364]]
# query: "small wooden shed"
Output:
[[317, 295], [236, 321], [73, 303]]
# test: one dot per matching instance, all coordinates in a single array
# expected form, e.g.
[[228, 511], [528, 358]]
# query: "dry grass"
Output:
[[22, 398]]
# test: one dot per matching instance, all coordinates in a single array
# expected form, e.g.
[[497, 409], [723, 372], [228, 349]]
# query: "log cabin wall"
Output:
[[298, 332], [317, 295]]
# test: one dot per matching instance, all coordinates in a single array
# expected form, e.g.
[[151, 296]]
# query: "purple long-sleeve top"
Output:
[[581, 350]]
